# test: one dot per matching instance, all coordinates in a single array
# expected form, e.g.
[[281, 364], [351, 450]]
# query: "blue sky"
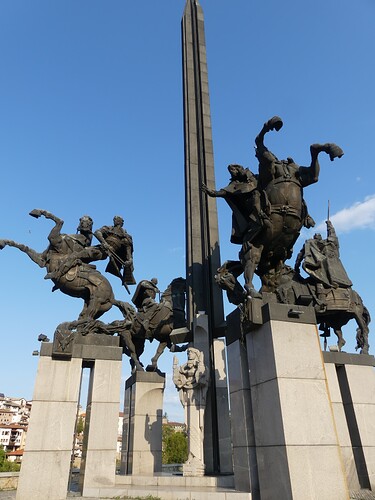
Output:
[[91, 123]]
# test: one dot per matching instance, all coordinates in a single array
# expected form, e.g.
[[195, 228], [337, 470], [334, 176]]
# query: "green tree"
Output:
[[174, 446], [80, 425], [5, 465]]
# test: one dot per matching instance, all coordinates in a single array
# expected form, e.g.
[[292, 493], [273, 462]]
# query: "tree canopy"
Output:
[[175, 448]]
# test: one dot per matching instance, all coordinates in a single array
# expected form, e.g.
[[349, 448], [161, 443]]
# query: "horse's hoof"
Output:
[[251, 293], [151, 368], [35, 213], [2, 244], [333, 150], [275, 123]]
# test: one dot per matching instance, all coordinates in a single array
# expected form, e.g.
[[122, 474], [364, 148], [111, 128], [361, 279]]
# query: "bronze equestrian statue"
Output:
[[268, 208], [67, 260]]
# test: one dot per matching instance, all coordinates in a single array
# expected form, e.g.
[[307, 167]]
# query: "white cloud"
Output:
[[361, 215]]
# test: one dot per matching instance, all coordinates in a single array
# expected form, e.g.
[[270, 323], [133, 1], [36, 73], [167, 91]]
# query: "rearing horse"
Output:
[[67, 261], [152, 320], [268, 209]]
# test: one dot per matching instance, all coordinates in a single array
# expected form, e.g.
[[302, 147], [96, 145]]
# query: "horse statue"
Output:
[[152, 320], [334, 306], [268, 208], [67, 262]]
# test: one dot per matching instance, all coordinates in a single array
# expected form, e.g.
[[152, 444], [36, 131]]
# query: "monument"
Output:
[[300, 418], [282, 390], [87, 342]]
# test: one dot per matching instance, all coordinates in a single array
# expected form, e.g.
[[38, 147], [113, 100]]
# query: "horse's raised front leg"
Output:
[[36, 257], [37, 212], [331, 149]]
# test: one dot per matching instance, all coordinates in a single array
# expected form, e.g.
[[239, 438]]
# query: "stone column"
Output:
[[296, 442], [102, 413], [204, 297], [351, 380], [46, 461], [244, 455], [222, 405], [361, 397], [217, 421], [143, 413]]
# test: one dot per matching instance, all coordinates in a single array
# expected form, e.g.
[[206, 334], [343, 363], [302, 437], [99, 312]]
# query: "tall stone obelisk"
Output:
[[202, 238], [204, 298]]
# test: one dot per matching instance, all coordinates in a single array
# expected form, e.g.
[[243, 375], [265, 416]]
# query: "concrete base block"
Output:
[[143, 410], [100, 446], [44, 474], [351, 381], [297, 449], [217, 434], [222, 405], [46, 461], [100, 470], [244, 456], [361, 383]]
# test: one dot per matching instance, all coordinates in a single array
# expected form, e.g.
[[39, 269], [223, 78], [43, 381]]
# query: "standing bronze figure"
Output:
[[119, 246]]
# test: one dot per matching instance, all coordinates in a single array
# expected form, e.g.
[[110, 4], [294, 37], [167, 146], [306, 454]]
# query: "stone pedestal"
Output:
[[143, 413], [47, 458], [217, 434], [98, 465], [245, 468], [351, 381], [296, 442]]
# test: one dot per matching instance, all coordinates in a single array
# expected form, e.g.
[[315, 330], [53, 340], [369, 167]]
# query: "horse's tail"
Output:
[[127, 310], [37, 257], [366, 315]]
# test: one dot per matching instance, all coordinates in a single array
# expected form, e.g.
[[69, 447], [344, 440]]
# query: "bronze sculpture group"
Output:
[[268, 213], [68, 262]]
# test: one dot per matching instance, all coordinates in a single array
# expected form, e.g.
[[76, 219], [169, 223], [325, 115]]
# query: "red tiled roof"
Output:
[[14, 453], [12, 426]]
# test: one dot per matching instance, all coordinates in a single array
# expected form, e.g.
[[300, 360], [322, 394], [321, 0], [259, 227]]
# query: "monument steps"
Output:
[[172, 488]]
